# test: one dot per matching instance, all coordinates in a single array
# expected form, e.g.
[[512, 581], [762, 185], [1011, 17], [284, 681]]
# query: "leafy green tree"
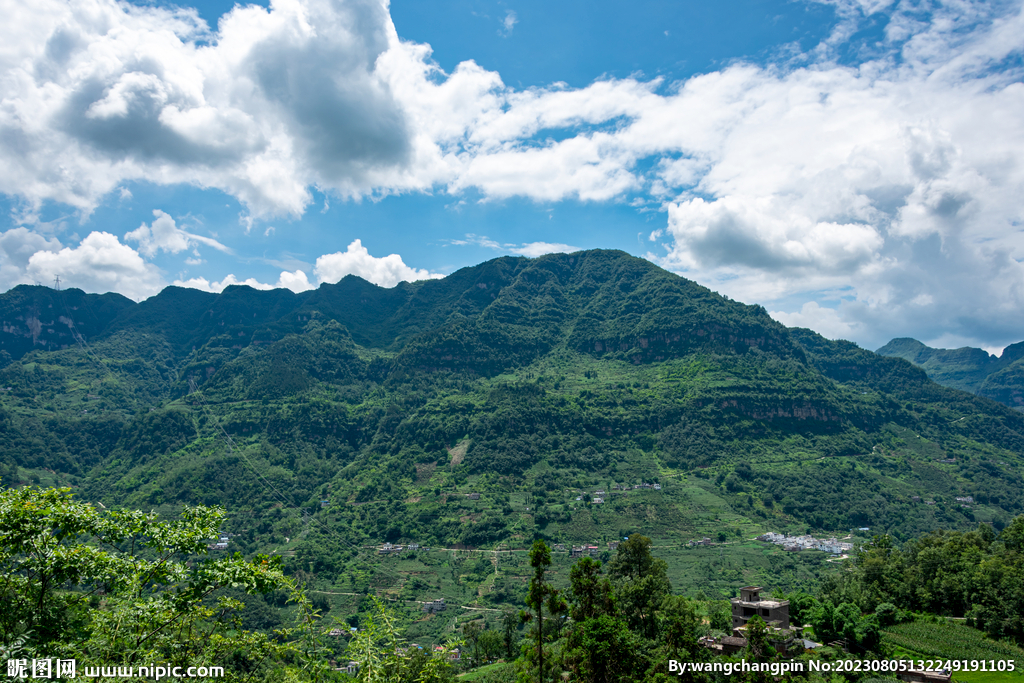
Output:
[[491, 645], [641, 584], [509, 628], [379, 651], [472, 631], [125, 587], [600, 647], [541, 595], [758, 645]]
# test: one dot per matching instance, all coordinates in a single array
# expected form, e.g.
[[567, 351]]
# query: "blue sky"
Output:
[[854, 166]]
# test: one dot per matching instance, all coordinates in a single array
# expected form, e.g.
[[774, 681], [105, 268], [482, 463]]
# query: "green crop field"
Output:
[[954, 641]]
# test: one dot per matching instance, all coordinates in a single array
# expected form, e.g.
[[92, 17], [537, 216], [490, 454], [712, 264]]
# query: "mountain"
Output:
[[491, 407], [1000, 378]]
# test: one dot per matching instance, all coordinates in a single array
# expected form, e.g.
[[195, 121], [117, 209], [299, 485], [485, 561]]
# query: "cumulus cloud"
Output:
[[100, 263], [97, 92], [386, 271], [165, 235], [16, 249]]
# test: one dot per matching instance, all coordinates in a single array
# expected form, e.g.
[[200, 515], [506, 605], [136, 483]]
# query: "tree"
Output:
[[471, 631], [123, 586], [509, 627], [378, 649], [600, 647], [540, 594], [641, 584]]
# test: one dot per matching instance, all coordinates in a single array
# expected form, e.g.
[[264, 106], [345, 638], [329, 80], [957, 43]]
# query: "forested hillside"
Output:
[[1000, 378], [517, 399]]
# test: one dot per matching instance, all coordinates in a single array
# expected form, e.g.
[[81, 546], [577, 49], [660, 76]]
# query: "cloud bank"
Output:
[[886, 189]]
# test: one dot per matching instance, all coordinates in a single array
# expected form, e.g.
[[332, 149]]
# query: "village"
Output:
[[807, 542]]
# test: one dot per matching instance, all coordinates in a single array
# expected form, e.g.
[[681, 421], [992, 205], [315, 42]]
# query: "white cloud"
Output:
[[386, 271], [825, 321], [167, 236], [508, 23], [535, 249], [99, 264], [297, 282], [530, 249], [16, 249]]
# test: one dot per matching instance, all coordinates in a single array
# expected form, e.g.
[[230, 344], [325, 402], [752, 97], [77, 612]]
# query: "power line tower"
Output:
[[56, 282]]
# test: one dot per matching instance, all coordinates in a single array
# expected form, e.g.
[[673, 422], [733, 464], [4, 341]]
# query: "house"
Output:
[[473, 496], [775, 613], [733, 644], [560, 547], [434, 606], [965, 499], [598, 501], [613, 545], [592, 550], [388, 549]]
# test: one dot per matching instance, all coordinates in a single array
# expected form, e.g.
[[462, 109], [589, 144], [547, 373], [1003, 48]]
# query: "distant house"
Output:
[[473, 496], [434, 606], [598, 501], [613, 545], [775, 613], [560, 547], [733, 644], [577, 551], [915, 499], [389, 549], [965, 499]]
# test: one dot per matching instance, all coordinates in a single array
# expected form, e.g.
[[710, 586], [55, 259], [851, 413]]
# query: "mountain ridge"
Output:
[[974, 370], [569, 372]]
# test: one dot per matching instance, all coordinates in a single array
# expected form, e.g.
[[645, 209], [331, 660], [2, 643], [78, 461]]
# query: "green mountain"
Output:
[[1000, 378], [491, 407]]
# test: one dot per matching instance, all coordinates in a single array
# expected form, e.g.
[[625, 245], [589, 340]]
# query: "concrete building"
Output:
[[775, 613], [434, 606]]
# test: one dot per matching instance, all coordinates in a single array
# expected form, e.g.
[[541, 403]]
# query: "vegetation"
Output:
[[123, 587], [570, 400], [1000, 378]]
